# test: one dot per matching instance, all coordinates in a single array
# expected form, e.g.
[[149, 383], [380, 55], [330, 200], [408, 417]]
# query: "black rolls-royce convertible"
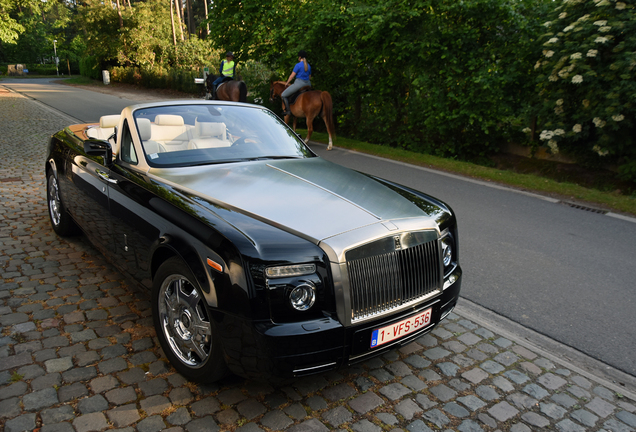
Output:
[[261, 257]]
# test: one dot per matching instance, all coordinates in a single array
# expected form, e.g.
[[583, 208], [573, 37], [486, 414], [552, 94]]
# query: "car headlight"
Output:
[[448, 244], [303, 296], [290, 271]]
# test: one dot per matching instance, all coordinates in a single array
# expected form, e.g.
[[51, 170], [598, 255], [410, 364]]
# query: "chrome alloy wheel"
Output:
[[184, 321], [55, 207]]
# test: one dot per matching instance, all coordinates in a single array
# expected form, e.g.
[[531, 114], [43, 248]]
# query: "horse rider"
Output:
[[227, 70], [302, 73]]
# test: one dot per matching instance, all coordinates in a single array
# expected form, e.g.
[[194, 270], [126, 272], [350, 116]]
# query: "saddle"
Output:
[[293, 97], [225, 79]]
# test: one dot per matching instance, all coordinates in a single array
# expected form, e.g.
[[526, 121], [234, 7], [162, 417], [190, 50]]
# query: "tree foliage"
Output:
[[587, 83], [41, 23], [134, 33], [10, 29], [447, 77], [143, 40], [441, 76]]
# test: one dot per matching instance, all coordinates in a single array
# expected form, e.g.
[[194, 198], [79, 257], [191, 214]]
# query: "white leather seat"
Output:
[[145, 133], [106, 127], [170, 131], [209, 135]]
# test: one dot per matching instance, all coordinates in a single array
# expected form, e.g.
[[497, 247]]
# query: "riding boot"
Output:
[[213, 92], [286, 109]]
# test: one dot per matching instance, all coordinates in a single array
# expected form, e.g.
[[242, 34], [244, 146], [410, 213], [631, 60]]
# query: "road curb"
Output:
[[66, 117], [558, 352]]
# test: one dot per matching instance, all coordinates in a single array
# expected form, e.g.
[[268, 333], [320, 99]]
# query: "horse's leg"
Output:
[[286, 118], [295, 120], [327, 116], [330, 146], [310, 126]]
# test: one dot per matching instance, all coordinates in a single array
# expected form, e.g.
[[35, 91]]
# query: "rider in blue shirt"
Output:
[[302, 73]]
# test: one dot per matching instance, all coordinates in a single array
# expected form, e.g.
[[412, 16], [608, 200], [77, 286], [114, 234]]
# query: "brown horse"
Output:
[[309, 105], [229, 90]]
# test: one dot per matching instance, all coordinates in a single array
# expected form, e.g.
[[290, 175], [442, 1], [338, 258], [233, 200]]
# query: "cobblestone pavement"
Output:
[[78, 352]]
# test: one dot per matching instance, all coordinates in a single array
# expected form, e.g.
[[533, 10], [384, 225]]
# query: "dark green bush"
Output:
[[157, 77], [41, 69], [90, 67], [439, 76], [587, 85], [34, 69]]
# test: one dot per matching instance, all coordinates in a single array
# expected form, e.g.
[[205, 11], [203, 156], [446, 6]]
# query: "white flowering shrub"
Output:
[[587, 81]]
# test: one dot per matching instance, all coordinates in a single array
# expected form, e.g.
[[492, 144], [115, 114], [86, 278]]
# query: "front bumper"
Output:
[[267, 350]]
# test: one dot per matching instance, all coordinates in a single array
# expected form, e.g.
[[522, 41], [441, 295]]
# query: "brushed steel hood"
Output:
[[312, 197]]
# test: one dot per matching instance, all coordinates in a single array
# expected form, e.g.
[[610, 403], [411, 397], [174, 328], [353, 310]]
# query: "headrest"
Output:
[[205, 129], [145, 130], [168, 120], [109, 121]]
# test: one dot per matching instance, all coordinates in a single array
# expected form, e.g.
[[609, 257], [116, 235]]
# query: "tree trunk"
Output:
[[121, 19], [190, 20], [207, 25], [178, 9], [174, 35], [533, 129]]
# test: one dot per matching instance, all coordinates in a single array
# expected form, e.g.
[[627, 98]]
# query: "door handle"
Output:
[[104, 176]]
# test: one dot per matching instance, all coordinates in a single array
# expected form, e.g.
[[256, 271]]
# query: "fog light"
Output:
[[303, 296]]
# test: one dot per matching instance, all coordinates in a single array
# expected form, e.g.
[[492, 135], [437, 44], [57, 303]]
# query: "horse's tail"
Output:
[[327, 113], [242, 91]]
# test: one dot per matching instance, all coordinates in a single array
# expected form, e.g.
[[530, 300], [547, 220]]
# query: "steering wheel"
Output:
[[246, 140], [239, 142]]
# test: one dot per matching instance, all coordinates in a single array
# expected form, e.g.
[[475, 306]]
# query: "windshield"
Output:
[[189, 135]]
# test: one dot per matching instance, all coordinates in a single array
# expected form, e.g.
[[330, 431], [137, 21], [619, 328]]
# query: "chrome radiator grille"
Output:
[[382, 283]]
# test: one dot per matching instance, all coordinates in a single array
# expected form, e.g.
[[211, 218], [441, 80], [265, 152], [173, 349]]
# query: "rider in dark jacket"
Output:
[[227, 70]]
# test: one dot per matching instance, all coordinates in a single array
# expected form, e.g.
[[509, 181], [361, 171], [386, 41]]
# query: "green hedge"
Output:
[[90, 67], [157, 77], [47, 69], [34, 69]]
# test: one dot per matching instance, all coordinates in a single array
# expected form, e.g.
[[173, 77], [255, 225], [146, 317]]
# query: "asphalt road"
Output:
[[563, 272], [83, 105]]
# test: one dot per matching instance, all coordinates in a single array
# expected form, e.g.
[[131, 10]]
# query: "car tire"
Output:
[[61, 221], [183, 324]]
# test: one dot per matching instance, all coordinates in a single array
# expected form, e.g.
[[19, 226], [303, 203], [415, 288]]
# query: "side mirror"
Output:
[[97, 147]]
